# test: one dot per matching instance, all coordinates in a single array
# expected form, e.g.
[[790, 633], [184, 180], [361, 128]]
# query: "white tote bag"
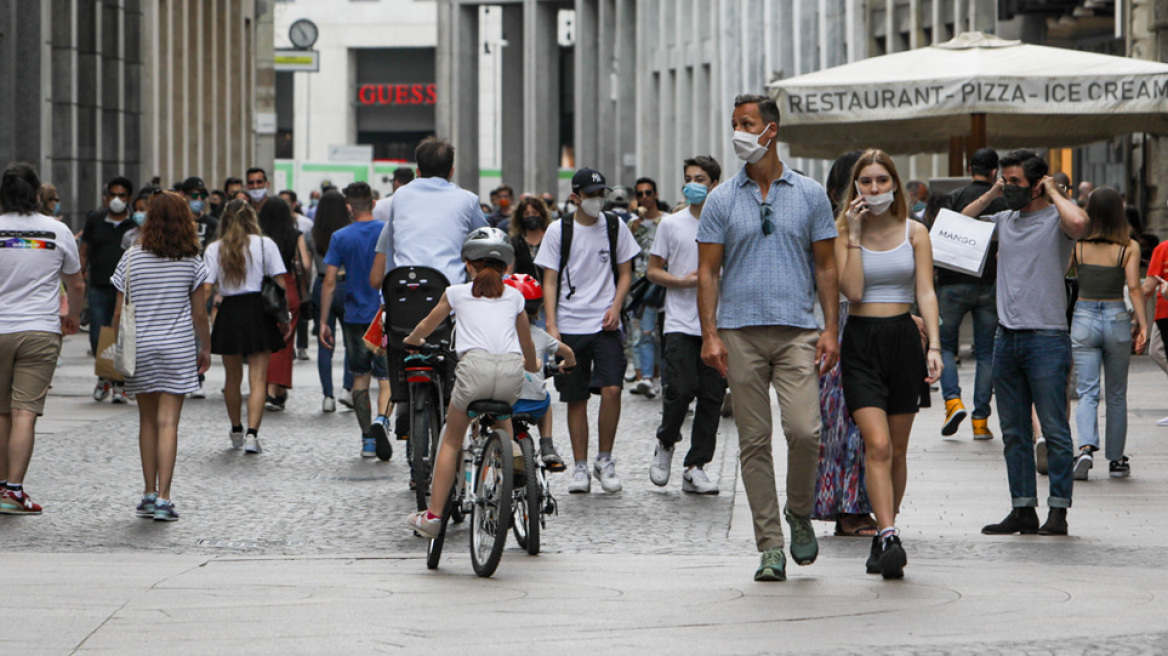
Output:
[[961, 243], [126, 353]]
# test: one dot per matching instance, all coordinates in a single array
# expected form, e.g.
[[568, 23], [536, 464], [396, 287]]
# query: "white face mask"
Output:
[[117, 206], [879, 203], [747, 148], [257, 195], [592, 206]]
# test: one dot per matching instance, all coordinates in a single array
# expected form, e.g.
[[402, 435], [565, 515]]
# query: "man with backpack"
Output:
[[587, 261]]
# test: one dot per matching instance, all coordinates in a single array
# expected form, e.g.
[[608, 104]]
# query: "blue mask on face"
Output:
[[139, 217], [695, 193], [197, 206]]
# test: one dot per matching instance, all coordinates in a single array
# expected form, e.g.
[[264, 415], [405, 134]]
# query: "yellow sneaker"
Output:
[[954, 414], [981, 429]]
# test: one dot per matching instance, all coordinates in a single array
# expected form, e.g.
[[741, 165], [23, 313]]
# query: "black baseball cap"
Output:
[[587, 181], [193, 184]]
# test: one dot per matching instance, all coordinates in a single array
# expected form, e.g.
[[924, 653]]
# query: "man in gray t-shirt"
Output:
[[1032, 350]]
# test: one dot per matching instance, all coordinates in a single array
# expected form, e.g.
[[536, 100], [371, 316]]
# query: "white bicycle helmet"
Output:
[[488, 244]]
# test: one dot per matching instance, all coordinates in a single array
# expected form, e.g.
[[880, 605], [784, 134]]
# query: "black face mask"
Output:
[[531, 223], [1016, 196], [216, 209]]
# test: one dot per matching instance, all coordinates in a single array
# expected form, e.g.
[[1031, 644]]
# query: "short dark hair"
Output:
[[217, 191], [983, 162], [18, 189], [403, 174], [359, 196], [232, 180], [120, 181], [435, 158], [256, 169], [1033, 166], [507, 188], [913, 185], [291, 194], [644, 180], [705, 163], [768, 109]]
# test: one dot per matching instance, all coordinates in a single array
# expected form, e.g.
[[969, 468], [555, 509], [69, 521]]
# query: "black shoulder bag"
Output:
[[275, 301]]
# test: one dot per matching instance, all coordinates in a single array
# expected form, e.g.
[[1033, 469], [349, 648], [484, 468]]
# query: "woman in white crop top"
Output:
[[885, 259], [494, 347]]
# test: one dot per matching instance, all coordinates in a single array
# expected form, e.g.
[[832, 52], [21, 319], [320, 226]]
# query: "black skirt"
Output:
[[242, 327]]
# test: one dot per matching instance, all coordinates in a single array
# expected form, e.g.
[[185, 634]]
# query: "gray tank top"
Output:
[[890, 276]]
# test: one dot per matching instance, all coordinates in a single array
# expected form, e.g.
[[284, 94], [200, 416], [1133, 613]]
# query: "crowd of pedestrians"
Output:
[[827, 294]]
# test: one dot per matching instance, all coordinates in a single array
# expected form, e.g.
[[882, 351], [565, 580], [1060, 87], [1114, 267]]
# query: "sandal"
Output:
[[860, 529]]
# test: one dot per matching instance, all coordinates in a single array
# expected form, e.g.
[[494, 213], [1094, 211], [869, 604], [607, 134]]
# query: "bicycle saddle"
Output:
[[496, 409]]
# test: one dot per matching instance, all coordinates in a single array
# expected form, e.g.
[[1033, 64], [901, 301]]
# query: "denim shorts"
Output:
[[362, 361]]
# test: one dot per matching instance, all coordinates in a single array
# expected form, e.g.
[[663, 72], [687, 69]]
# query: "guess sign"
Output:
[[397, 94]]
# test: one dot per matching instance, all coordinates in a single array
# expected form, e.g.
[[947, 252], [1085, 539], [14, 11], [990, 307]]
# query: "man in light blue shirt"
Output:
[[428, 219], [765, 247]]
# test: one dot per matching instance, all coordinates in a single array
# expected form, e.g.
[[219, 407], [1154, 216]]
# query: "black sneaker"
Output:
[[892, 558], [873, 564], [1056, 522], [1020, 520], [1120, 468]]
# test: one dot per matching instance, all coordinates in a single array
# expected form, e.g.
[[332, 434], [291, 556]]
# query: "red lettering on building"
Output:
[[397, 94]]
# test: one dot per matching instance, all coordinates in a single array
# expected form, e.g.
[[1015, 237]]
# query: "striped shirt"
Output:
[[160, 289]]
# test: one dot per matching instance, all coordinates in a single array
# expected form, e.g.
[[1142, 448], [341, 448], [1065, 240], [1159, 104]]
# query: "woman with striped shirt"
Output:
[[164, 278]]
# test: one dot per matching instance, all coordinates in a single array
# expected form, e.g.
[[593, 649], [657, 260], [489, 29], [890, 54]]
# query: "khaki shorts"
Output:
[[482, 376], [27, 362]]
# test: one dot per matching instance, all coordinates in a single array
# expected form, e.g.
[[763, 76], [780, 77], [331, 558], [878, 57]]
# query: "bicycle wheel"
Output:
[[420, 442], [528, 502], [491, 512], [434, 548]]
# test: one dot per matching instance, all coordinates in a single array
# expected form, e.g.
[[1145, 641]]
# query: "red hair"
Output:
[[488, 280]]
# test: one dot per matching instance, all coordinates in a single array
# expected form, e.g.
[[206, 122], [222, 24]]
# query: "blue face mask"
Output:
[[197, 206], [695, 193], [139, 217]]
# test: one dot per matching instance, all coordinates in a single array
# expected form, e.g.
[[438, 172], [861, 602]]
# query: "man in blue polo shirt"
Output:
[[766, 236]]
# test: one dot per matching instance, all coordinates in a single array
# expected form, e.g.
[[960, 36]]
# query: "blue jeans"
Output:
[[979, 300], [1031, 368], [647, 349], [101, 311], [1101, 339], [324, 356]]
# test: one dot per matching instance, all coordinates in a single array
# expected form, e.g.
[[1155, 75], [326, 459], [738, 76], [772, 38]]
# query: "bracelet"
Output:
[[935, 348]]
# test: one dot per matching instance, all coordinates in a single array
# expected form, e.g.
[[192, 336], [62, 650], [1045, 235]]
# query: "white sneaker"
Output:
[[643, 387], [199, 393], [346, 398], [329, 404], [654, 389], [605, 472], [252, 445], [425, 528], [581, 481], [119, 396], [695, 480], [661, 464], [301, 354], [237, 440], [1163, 422], [101, 391]]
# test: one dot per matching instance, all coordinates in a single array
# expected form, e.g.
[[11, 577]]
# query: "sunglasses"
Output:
[[644, 194], [765, 212]]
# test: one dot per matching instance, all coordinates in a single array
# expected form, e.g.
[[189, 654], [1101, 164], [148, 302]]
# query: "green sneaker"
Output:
[[804, 547], [772, 566]]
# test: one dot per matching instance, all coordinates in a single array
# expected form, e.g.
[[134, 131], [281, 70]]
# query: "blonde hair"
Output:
[[871, 156], [236, 227]]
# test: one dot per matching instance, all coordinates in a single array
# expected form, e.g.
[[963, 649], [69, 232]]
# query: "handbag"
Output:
[[961, 243], [126, 351], [643, 293], [275, 301]]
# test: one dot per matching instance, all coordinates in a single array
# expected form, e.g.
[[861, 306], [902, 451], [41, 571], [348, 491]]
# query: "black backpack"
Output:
[[567, 227]]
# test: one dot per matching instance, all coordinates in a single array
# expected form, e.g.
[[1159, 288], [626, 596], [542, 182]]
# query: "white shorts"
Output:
[[482, 376]]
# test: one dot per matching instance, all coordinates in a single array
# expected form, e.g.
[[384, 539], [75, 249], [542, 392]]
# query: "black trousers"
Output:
[[685, 377]]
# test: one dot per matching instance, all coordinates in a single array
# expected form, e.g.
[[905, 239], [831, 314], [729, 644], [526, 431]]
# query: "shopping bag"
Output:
[[960, 243], [106, 346], [126, 353], [375, 337]]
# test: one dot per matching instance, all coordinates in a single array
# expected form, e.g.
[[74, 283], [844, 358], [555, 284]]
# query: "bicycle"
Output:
[[425, 380], [482, 488], [533, 501]]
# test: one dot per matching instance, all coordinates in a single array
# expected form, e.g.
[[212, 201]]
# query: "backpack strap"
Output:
[[612, 222], [567, 225]]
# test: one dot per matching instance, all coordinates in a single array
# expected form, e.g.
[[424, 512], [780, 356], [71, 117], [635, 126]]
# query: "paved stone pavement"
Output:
[[299, 550]]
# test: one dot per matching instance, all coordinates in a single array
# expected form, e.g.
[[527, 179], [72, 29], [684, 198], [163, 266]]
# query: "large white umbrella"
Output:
[[975, 87]]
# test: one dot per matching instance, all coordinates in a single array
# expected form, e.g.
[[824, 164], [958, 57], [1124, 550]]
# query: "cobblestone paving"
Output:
[[1127, 645]]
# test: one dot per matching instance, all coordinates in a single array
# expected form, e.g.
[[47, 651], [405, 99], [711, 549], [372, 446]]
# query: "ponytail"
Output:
[[489, 279]]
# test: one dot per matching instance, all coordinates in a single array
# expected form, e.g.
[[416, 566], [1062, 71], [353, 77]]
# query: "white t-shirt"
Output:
[[254, 280], [589, 271], [487, 324], [34, 251], [677, 244], [381, 208], [534, 388], [303, 224]]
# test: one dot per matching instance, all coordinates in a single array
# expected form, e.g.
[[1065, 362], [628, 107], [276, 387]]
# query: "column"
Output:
[[587, 89], [458, 88], [89, 182], [603, 102], [625, 69], [511, 91], [541, 97]]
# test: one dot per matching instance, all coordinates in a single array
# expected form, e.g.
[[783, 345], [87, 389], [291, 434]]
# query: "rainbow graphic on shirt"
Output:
[[28, 239]]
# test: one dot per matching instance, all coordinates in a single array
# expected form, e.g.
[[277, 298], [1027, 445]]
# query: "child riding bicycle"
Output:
[[494, 347], [534, 399]]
